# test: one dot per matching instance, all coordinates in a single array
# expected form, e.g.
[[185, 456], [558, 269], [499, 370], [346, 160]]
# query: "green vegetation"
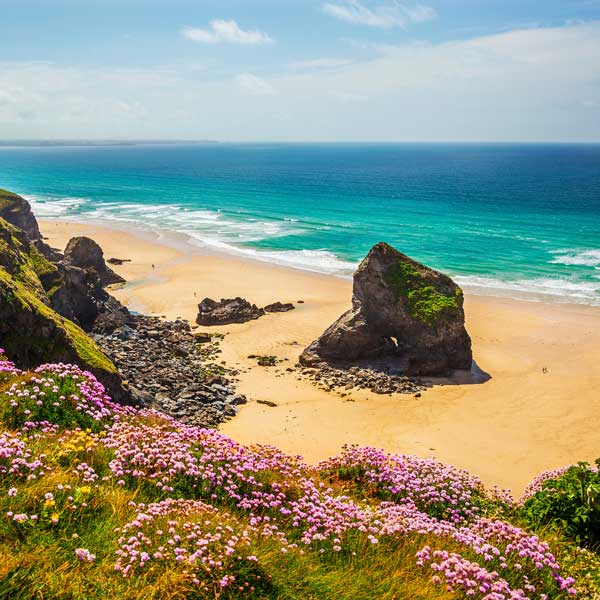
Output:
[[424, 302], [570, 503]]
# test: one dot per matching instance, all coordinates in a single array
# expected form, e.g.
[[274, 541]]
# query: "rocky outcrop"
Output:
[[228, 310], [403, 313], [85, 253], [279, 307], [82, 299], [31, 331], [16, 210]]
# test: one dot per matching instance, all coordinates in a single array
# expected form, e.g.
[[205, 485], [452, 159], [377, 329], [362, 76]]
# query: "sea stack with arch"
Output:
[[404, 316]]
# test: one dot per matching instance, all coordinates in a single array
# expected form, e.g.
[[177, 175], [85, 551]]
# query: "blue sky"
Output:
[[335, 70]]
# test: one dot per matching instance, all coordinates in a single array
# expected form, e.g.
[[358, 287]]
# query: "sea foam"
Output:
[[574, 256], [234, 235]]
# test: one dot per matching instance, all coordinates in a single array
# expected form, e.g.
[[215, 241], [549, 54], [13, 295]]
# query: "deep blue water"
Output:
[[505, 219]]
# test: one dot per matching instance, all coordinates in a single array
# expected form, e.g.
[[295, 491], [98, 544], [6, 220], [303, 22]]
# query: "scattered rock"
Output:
[[279, 307], [118, 261], [202, 337], [403, 314], [267, 403], [265, 361], [170, 368], [85, 253], [228, 310], [330, 378]]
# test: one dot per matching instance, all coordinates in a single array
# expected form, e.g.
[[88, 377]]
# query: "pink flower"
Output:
[[84, 555]]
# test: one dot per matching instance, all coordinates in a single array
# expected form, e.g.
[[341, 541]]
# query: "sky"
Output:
[[301, 70]]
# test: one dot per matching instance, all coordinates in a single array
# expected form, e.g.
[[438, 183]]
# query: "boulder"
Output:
[[228, 310], [402, 312], [85, 253], [279, 307]]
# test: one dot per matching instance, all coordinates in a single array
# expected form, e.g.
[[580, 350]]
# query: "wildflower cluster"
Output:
[[58, 394], [6, 366], [209, 502], [437, 489], [189, 536], [18, 460], [64, 507]]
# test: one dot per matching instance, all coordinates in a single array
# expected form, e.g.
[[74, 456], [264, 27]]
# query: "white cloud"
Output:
[[320, 63], [254, 85], [522, 85], [227, 32], [395, 14]]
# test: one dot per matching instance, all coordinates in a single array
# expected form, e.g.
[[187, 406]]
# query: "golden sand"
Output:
[[508, 429]]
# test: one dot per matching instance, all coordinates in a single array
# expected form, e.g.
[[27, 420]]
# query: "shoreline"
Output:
[[519, 423], [522, 290]]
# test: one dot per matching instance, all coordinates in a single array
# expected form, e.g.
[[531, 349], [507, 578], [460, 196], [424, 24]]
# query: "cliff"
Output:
[[32, 331]]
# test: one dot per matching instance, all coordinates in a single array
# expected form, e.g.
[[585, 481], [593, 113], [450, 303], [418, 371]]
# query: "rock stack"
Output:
[[403, 315]]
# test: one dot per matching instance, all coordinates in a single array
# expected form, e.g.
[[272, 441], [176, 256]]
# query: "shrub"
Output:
[[569, 501]]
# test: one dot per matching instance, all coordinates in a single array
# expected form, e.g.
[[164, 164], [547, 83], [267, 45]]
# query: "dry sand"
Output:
[[507, 430]]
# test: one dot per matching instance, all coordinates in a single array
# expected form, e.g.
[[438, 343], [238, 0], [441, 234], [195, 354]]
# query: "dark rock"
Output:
[[81, 298], [85, 253], [403, 313], [380, 382], [267, 403], [265, 361], [169, 370], [230, 310], [279, 307], [118, 261], [201, 337]]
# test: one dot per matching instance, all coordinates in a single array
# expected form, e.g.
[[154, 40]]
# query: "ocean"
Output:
[[507, 220]]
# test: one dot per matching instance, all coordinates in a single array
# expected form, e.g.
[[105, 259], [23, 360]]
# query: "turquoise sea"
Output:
[[516, 220]]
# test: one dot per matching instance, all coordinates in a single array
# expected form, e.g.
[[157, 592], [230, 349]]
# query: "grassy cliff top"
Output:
[[8, 198]]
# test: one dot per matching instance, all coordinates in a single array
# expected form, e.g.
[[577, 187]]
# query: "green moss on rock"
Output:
[[429, 305], [424, 301]]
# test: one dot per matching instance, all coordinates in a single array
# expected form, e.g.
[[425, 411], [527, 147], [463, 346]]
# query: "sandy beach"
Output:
[[506, 430]]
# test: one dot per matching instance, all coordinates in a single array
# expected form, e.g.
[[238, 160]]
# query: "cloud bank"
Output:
[[537, 84]]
